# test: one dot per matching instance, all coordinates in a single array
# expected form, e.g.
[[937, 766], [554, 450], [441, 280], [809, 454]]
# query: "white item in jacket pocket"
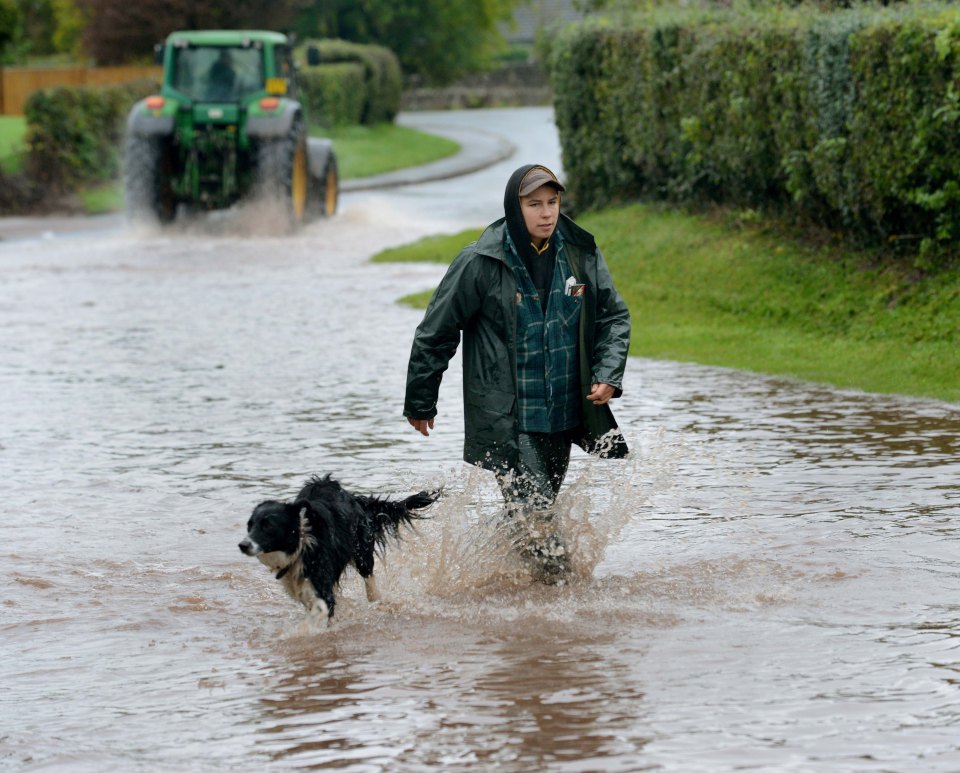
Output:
[[572, 288]]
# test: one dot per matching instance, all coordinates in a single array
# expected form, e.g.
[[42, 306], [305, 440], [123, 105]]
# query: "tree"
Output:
[[438, 40], [38, 24], [122, 31], [9, 25], [39, 28], [70, 23]]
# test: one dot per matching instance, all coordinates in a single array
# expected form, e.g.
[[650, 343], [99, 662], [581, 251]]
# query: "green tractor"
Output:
[[227, 126]]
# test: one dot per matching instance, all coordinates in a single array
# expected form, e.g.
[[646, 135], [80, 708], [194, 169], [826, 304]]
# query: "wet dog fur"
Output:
[[310, 541]]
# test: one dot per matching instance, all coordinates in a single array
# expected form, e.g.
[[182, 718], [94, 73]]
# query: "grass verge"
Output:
[[709, 290], [103, 198], [364, 151], [13, 130]]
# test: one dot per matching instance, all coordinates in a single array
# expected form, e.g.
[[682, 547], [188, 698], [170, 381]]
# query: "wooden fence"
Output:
[[18, 83]]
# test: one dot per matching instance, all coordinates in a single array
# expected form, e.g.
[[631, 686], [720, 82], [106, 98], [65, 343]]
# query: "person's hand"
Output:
[[600, 394], [423, 426]]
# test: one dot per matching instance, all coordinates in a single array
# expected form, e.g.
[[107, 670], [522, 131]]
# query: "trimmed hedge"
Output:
[[18, 193], [73, 132], [379, 91], [848, 119], [334, 94]]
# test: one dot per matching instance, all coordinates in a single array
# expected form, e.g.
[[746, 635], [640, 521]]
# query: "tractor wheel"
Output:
[[148, 167], [331, 188], [283, 175]]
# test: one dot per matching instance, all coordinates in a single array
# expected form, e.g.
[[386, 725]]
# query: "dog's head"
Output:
[[274, 527]]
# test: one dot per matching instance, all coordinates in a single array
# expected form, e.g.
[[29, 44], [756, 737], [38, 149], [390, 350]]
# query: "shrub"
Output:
[[334, 94], [382, 82], [73, 134], [847, 119], [18, 193]]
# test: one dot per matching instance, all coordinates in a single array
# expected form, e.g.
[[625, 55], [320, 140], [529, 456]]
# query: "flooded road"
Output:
[[771, 580]]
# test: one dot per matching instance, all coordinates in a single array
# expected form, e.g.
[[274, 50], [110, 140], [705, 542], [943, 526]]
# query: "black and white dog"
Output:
[[310, 542]]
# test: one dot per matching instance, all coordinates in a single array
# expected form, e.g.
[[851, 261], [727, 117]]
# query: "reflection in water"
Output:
[[565, 703], [519, 700], [769, 581]]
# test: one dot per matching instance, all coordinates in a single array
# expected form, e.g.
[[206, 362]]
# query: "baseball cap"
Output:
[[537, 177]]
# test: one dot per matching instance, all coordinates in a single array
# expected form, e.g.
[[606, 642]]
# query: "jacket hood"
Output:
[[514, 216]]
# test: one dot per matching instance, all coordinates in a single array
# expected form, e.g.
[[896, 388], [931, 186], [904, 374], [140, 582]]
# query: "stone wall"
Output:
[[514, 85]]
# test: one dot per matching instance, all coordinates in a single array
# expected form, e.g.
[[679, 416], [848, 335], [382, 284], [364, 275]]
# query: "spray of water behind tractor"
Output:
[[227, 126]]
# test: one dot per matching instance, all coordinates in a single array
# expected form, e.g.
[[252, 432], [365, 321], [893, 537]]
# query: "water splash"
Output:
[[462, 561]]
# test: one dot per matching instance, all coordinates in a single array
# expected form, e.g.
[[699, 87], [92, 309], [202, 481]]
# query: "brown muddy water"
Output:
[[770, 582]]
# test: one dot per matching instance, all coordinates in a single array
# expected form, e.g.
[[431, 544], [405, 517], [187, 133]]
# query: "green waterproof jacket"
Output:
[[478, 296]]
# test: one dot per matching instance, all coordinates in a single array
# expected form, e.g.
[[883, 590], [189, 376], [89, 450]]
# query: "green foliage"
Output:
[[70, 21], [9, 25], [436, 40], [382, 82], [334, 94], [39, 23], [74, 133], [847, 119], [122, 32], [39, 29], [18, 193]]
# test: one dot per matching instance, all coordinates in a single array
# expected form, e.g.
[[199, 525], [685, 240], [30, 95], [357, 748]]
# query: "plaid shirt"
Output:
[[548, 381]]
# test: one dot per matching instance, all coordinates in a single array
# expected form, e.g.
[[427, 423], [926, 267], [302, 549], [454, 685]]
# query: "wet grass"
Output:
[[430, 249], [13, 130], [364, 151], [101, 199], [712, 291]]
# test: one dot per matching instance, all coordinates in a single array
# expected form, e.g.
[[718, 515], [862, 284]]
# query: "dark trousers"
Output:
[[530, 491], [542, 466]]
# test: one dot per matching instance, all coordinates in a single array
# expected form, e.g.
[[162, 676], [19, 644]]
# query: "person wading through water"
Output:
[[545, 342]]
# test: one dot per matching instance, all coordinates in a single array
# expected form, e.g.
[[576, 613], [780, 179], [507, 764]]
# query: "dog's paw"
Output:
[[373, 592]]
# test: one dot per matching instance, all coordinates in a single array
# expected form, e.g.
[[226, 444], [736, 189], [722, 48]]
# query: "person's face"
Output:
[[540, 212]]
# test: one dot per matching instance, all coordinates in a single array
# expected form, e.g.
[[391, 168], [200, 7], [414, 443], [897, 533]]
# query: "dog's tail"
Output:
[[386, 515]]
